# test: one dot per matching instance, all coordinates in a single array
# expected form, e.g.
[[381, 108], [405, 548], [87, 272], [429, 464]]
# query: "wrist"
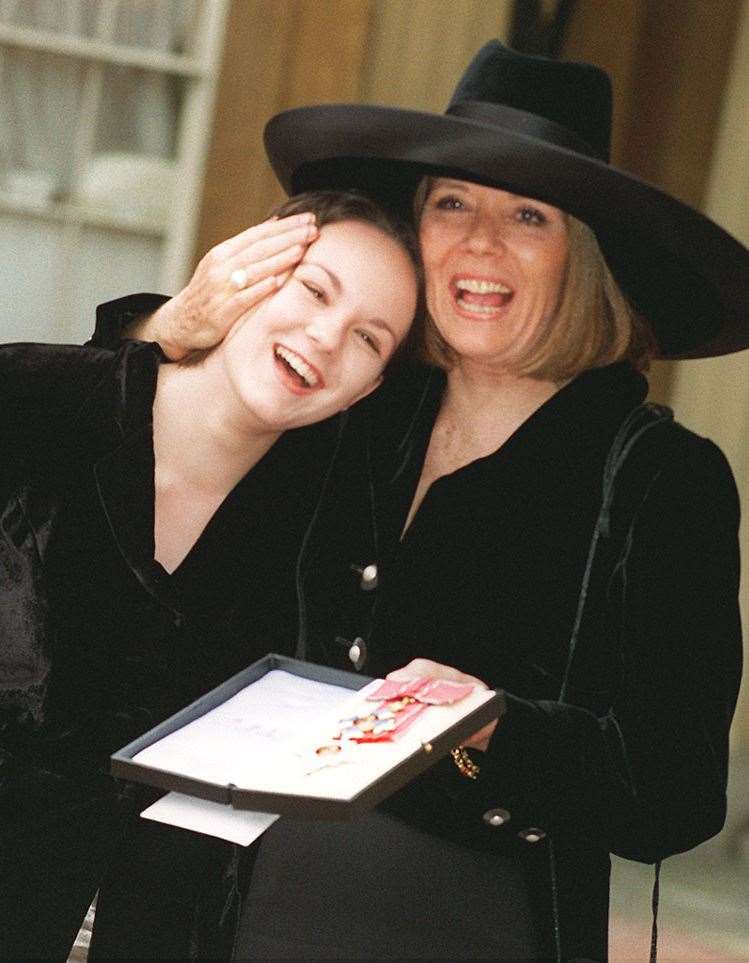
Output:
[[162, 327]]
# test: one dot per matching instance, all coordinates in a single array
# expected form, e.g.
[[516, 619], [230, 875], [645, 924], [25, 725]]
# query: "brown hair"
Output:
[[594, 324], [331, 207]]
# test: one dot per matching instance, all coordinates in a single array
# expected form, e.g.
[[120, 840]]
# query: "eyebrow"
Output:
[[334, 279], [336, 282]]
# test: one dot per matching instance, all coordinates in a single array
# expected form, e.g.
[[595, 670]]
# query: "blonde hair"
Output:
[[593, 325]]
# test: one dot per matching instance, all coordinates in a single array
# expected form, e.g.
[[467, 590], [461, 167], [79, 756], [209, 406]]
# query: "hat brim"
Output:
[[684, 273]]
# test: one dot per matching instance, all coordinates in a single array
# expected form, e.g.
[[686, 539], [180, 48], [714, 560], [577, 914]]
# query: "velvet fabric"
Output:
[[97, 642], [487, 579]]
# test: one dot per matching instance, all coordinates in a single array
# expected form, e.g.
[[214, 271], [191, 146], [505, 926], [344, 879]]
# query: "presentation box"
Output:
[[269, 740]]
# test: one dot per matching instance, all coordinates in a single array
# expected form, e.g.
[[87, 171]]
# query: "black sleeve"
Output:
[[649, 777], [113, 317]]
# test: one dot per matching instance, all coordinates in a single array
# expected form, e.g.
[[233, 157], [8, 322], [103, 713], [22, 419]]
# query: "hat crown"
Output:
[[572, 95]]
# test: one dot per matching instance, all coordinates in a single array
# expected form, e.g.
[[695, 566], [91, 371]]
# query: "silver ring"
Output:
[[239, 279]]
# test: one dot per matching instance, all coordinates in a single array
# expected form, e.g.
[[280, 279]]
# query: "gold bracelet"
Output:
[[466, 766]]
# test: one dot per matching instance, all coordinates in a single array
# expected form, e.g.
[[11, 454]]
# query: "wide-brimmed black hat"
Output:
[[539, 128]]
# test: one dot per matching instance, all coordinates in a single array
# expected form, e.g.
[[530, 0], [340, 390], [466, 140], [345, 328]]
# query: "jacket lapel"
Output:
[[124, 467], [124, 479]]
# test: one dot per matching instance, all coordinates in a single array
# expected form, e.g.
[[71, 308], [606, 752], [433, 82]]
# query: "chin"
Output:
[[476, 352]]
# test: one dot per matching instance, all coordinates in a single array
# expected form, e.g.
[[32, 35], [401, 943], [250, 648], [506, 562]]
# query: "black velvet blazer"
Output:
[[97, 642], [633, 759]]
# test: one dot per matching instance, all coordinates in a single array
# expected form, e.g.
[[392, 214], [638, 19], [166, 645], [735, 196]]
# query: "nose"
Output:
[[327, 332], [485, 235]]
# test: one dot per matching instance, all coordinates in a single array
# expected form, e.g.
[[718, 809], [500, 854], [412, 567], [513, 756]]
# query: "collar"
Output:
[[124, 470], [564, 442], [113, 317], [287, 477], [584, 415], [580, 421]]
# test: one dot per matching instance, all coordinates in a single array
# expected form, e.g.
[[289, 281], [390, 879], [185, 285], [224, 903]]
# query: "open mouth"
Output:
[[297, 371], [481, 296]]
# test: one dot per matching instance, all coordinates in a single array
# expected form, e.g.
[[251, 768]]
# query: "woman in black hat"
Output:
[[533, 525]]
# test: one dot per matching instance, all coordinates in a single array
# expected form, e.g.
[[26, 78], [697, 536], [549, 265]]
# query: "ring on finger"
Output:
[[239, 279]]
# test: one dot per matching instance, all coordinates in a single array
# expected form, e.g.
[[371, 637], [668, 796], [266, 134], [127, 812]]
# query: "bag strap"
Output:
[[638, 423], [635, 426]]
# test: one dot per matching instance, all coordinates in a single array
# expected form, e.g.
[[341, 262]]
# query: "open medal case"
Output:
[[294, 738]]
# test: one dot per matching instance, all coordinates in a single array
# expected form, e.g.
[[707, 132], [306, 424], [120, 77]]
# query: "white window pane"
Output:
[[29, 272], [138, 111], [38, 114], [109, 265], [167, 25]]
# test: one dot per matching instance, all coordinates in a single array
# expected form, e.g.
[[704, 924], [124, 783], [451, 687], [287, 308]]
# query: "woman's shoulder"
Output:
[[48, 391], [697, 451], [32, 368], [692, 475], [41, 384]]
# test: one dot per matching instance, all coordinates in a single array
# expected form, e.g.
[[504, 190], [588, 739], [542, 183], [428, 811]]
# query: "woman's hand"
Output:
[[425, 668], [232, 278]]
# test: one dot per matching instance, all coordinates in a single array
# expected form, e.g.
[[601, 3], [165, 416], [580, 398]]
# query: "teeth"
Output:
[[477, 308], [299, 365], [482, 287]]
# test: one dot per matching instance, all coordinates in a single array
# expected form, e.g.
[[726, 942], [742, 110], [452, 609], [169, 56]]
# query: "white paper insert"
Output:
[[210, 818], [264, 738]]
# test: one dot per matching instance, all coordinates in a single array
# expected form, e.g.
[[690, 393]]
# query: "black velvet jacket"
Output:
[[97, 642], [488, 577], [633, 759]]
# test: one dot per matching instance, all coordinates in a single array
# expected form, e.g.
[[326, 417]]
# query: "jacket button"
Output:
[[357, 653], [496, 817], [367, 576], [532, 835]]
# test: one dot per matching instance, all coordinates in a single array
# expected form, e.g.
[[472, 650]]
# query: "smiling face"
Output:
[[494, 264], [321, 342]]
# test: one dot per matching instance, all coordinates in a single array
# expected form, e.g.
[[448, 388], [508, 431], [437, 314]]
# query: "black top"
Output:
[[632, 760], [99, 643], [445, 595], [487, 579]]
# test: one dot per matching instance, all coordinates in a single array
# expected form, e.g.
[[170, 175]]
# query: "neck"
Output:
[[199, 446], [492, 403]]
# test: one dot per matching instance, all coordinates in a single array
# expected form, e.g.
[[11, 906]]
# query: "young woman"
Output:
[[533, 527], [127, 488]]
